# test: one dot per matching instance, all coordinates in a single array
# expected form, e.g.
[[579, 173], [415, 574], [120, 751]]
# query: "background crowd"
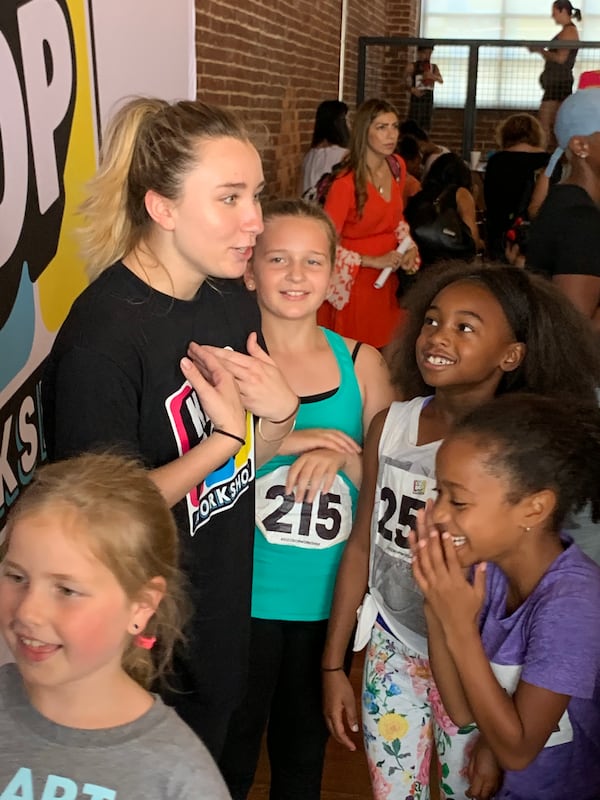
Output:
[[379, 399]]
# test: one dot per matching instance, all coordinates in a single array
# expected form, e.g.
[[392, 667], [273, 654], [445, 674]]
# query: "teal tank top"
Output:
[[298, 546]]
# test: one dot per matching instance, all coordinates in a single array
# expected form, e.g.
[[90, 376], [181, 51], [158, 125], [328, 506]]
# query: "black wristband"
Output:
[[231, 435]]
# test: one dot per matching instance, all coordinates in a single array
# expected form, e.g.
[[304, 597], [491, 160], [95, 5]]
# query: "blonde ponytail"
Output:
[[149, 144]]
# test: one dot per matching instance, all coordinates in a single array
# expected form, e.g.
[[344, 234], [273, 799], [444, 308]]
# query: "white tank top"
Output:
[[405, 480]]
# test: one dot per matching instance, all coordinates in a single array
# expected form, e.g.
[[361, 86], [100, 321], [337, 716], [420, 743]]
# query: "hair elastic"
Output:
[[145, 642], [231, 435]]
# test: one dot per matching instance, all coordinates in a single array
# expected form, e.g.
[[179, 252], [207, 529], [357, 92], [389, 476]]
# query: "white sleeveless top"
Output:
[[405, 481]]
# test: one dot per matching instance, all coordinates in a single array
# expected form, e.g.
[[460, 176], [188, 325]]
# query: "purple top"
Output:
[[552, 641]]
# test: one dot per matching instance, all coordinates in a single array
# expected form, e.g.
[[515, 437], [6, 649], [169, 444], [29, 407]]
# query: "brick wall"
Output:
[[275, 60], [447, 128]]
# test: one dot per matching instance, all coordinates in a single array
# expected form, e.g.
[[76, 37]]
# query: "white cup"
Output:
[[475, 158]]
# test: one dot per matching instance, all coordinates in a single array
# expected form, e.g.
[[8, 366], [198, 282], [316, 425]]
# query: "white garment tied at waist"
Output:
[[366, 616]]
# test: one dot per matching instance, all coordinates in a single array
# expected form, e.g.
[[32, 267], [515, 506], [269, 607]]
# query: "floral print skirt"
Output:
[[405, 723]]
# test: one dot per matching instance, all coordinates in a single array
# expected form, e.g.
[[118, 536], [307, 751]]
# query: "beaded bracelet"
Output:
[[230, 435]]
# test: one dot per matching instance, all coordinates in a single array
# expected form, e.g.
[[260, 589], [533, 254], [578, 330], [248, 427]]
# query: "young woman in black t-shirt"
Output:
[[171, 217]]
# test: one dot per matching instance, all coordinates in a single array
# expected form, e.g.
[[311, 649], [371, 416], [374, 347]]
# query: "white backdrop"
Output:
[[144, 47], [65, 64]]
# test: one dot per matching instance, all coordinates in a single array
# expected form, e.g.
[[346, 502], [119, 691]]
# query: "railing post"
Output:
[[470, 118]]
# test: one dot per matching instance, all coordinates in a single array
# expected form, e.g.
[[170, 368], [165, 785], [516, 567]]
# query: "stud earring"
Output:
[[526, 528], [136, 627]]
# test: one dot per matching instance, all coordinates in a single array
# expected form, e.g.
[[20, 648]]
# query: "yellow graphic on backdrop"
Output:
[[64, 278]]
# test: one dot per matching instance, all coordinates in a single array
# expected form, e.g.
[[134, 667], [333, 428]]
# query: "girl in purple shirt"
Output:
[[516, 648]]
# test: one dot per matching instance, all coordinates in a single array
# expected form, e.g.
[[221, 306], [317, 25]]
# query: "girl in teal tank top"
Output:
[[305, 502]]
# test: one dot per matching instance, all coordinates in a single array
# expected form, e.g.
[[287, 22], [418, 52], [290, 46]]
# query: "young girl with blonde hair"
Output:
[[89, 590]]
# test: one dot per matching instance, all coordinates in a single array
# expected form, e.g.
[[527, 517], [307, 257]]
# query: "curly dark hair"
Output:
[[562, 356], [539, 443]]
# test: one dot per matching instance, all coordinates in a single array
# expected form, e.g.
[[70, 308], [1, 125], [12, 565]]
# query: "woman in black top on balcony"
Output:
[[557, 77]]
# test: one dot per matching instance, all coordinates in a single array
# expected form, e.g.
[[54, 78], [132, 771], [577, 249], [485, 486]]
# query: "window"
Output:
[[507, 76]]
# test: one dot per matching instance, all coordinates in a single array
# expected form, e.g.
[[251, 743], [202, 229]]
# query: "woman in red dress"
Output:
[[365, 204]]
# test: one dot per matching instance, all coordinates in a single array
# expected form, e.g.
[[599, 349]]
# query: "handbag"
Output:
[[439, 231]]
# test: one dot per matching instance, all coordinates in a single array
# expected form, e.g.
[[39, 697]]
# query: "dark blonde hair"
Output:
[[300, 208], [127, 524], [520, 129], [356, 160], [149, 144]]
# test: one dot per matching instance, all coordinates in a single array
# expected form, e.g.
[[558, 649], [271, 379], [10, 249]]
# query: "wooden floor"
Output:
[[345, 777]]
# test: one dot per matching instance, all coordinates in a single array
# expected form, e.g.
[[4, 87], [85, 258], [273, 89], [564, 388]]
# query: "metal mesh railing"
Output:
[[483, 81]]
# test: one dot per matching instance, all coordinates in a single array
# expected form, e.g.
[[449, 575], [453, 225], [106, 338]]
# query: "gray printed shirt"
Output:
[[156, 757]]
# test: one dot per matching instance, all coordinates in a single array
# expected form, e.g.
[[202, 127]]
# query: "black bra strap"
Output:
[[357, 347]]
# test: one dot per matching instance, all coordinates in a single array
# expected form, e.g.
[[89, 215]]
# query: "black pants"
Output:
[[207, 709], [421, 110], [284, 695]]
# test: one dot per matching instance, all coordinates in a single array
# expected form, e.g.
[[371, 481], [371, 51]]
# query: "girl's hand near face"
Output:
[[439, 575]]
